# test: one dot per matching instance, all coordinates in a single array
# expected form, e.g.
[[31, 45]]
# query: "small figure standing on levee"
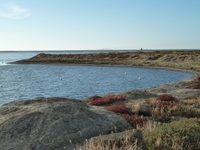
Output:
[[141, 49]]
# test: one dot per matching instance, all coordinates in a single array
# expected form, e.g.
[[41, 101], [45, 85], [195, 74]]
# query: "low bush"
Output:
[[166, 97], [106, 100], [119, 109], [182, 134]]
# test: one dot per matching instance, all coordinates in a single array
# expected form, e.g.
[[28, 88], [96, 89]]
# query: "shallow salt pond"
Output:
[[19, 82]]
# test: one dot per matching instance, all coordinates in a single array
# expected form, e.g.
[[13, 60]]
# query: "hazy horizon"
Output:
[[98, 50], [99, 25]]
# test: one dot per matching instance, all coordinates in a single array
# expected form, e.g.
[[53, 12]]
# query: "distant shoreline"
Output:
[[101, 50], [179, 60]]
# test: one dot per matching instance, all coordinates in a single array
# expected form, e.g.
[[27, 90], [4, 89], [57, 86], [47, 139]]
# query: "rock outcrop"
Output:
[[53, 124]]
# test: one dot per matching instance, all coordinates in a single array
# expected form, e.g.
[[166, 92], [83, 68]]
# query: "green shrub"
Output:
[[182, 134]]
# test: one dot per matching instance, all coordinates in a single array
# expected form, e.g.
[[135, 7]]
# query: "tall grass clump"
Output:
[[126, 143]]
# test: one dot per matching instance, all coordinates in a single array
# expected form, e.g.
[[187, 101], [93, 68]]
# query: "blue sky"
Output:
[[99, 24]]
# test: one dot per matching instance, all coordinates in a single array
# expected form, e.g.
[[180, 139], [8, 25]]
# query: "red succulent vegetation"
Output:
[[119, 109], [106, 100], [166, 97], [134, 120], [164, 100], [94, 97], [163, 104], [194, 86]]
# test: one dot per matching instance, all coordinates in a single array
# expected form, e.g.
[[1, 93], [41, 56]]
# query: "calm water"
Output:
[[19, 82]]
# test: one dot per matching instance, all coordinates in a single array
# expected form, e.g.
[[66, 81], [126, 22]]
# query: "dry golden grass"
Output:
[[149, 126], [186, 111], [178, 135], [192, 101], [135, 104], [181, 110], [100, 145], [126, 144]]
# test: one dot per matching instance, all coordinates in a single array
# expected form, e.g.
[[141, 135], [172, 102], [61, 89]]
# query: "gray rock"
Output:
[[145, 110], [53, 124]]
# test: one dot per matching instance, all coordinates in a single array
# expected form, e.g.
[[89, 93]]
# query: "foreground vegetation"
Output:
[[177, 135], [166, 122]]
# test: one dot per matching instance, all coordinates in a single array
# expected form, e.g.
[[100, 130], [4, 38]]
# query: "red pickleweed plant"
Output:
[[94, 97], [163, 104], [134, 120], [194, 86], [119, 109], [166, 97], [106, 100]]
